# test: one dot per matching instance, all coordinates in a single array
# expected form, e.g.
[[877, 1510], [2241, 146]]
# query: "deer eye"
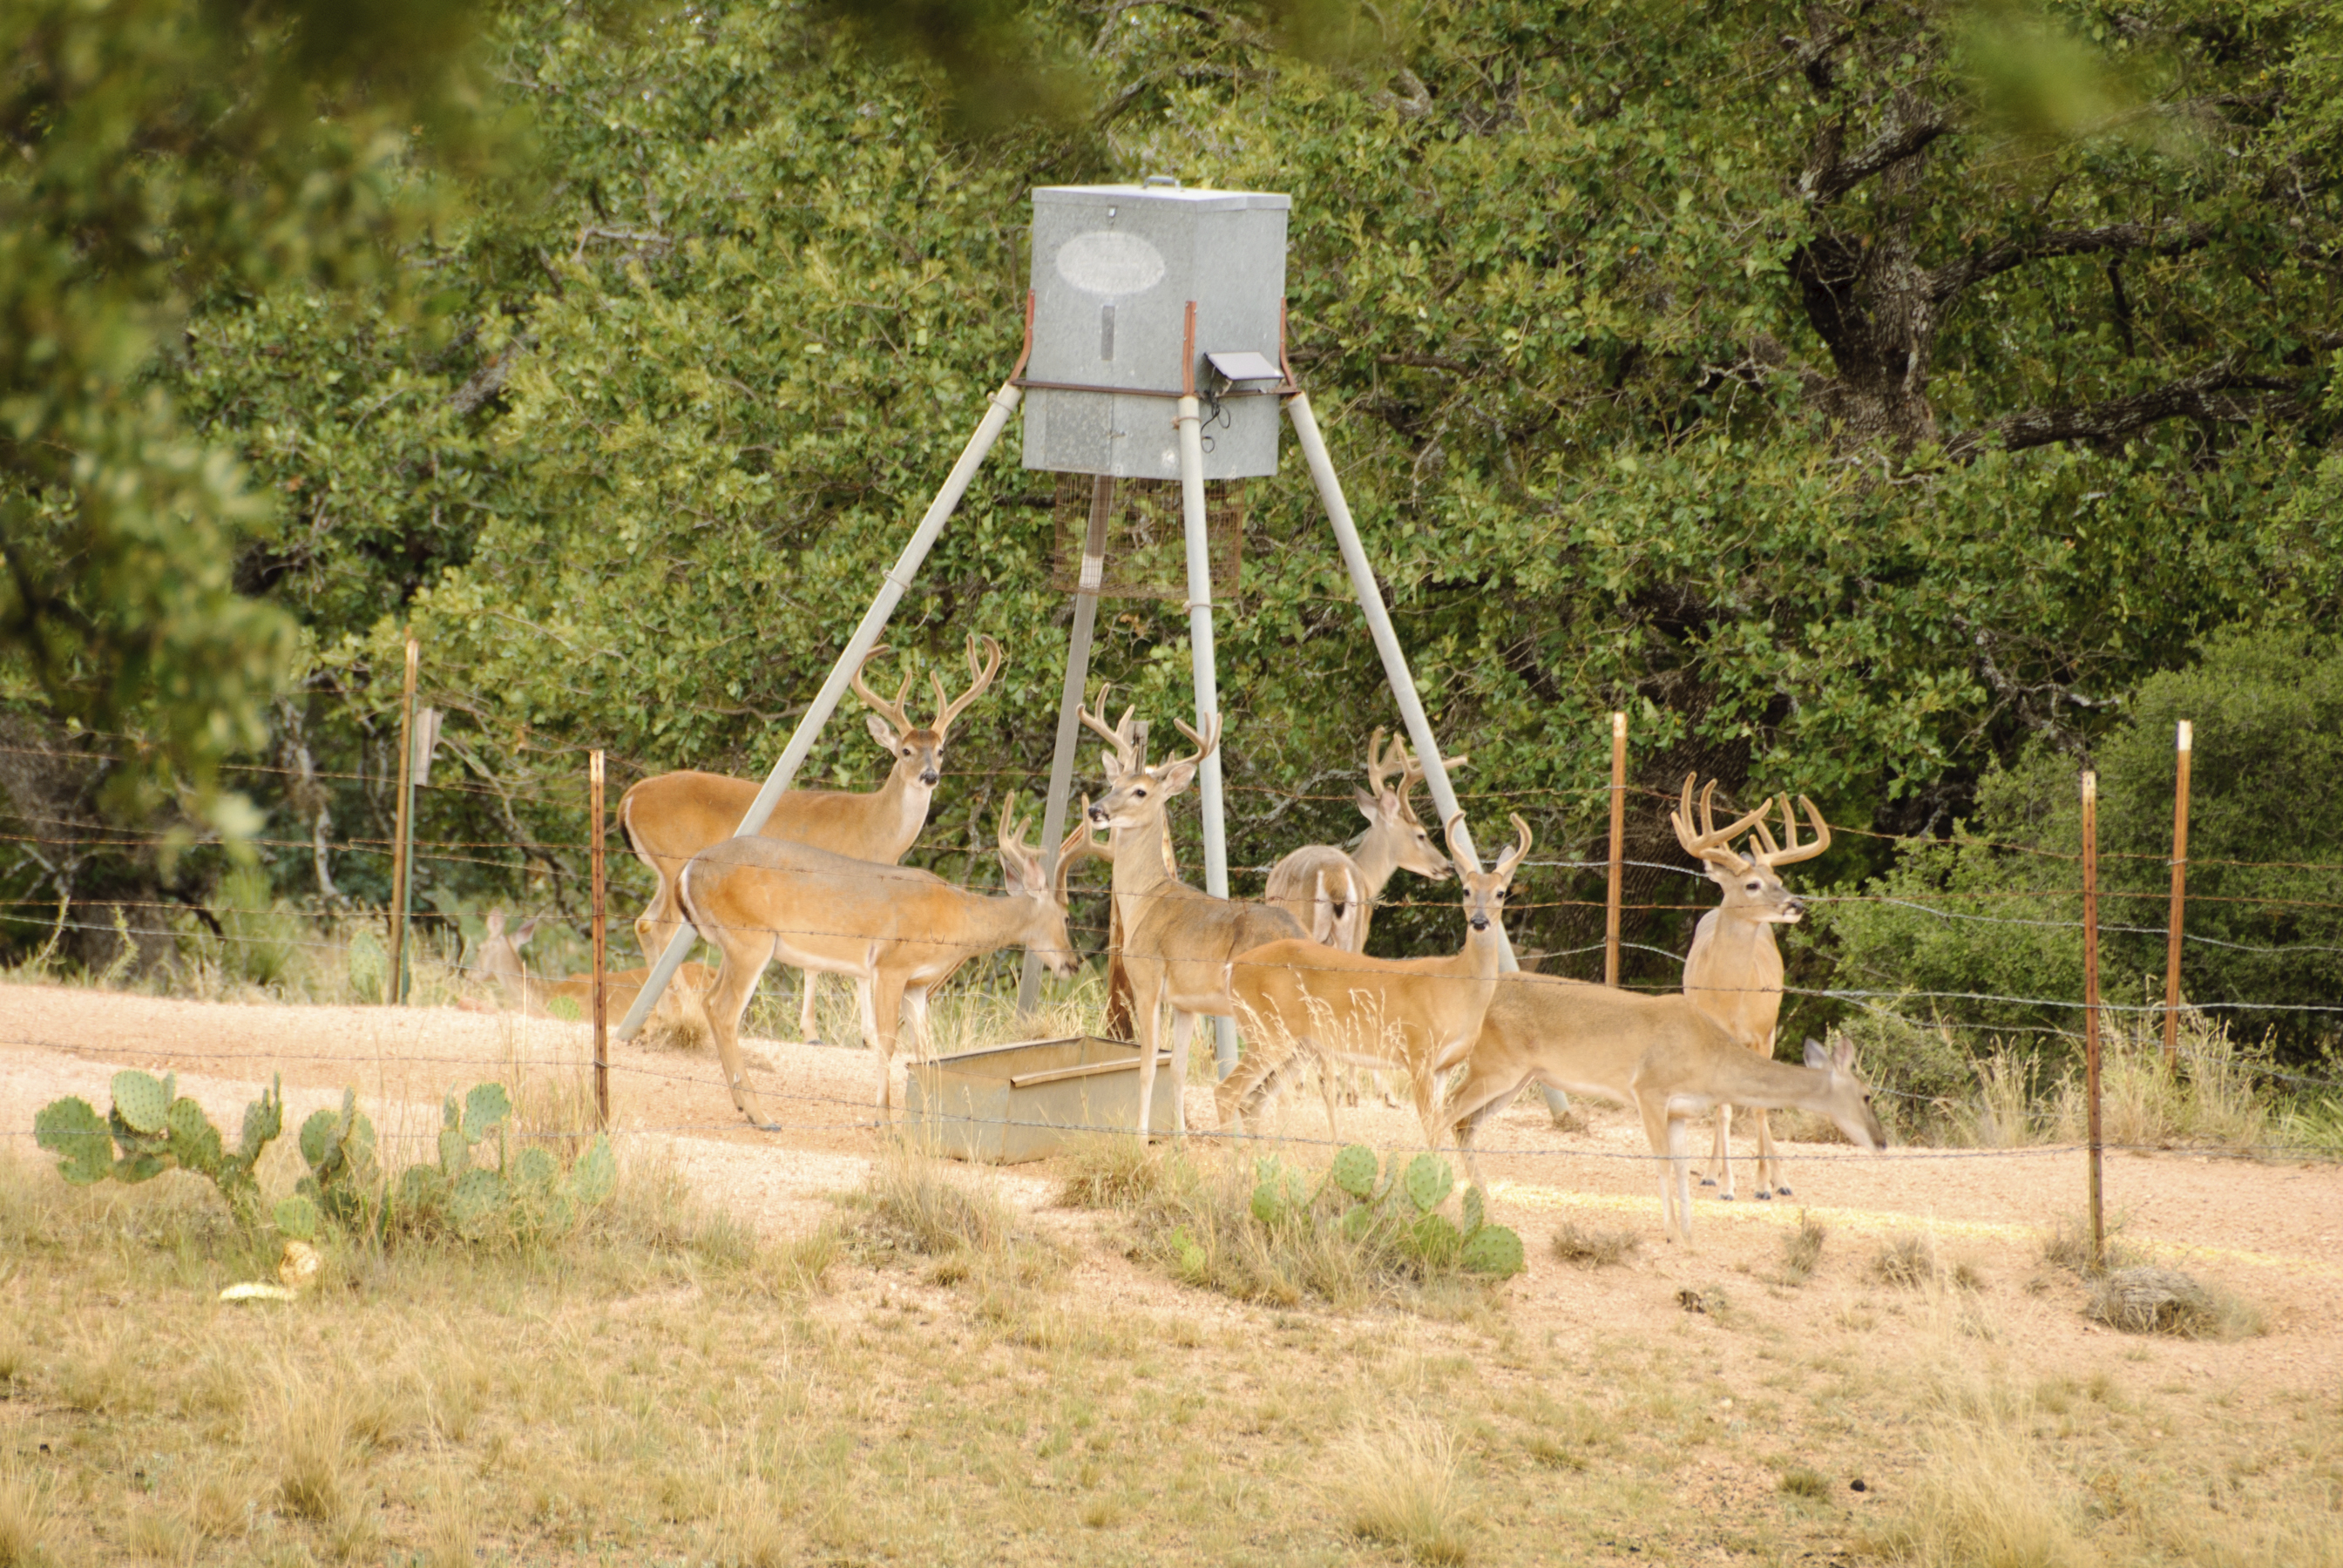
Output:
[[1754, 886]]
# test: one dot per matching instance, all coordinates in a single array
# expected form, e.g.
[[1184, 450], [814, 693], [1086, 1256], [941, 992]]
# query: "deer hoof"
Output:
[[1724, 1197], [1764, 1196], [1708, 1181], [1784, 1191]]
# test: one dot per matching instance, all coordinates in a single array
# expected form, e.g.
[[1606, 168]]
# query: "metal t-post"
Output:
[[866, 636], [1395, 670], [1200, 648], [1070, 707]]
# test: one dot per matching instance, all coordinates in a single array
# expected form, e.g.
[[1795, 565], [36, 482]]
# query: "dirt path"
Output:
[[2268, 1230]]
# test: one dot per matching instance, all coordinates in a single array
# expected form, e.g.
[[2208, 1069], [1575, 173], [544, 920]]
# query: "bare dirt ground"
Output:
[[2266, 1230]]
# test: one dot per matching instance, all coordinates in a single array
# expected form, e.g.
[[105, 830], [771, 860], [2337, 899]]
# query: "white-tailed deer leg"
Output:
[[1720, 1159], [1326, 1087], [746, 954], [1769, 1158], [1183, 1025], [874, 1008], [1474, 1102], [1666, 1135], [915, 1008], [808, 1025], [1147, 1023]]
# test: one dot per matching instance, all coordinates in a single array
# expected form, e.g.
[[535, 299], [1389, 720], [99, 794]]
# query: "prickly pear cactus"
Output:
[[475, 1200], [154, 1129], [297, 1218], [536, 1168], [595, 1175], [1427, 1182], [1474, 1210], [485, 1109], [82, 1142], [1492, 1249], [455, 1151], [143, 1101], [1354, 1171]]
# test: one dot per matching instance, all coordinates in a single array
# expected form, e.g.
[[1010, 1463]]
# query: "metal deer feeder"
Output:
[[1154, 354]]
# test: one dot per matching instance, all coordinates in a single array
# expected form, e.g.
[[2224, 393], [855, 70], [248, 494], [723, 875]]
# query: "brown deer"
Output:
[[897, 931], [497, 963], [1177, 940], [1733, 972], [1664, 1055], [670, 818], [1332, 892], [1301, 998]]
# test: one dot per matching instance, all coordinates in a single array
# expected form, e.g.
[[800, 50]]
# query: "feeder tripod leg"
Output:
[[1069, 705], [1208, 695], [825, 702], [1395, 670]]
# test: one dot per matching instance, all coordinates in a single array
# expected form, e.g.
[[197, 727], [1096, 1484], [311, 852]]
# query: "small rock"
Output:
[[1857, 1486]]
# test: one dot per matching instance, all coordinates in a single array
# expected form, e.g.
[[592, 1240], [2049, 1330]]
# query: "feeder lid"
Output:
[[1244, 364]]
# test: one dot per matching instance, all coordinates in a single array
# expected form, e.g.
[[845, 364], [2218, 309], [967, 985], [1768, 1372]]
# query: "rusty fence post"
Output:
[[595, 835], [2091, 1004], [2179, 899], [1618, 847], [402, 846]]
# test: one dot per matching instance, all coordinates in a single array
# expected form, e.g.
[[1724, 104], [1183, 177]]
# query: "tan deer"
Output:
[[1332, 892], [670, 818], [1304, 999], [497, 964], [1177, 940], [1733, 972], [1664, 1055], [897, 931]]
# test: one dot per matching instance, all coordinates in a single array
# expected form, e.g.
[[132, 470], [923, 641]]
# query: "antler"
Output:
[[1710, 844], [893, 712], [1789, 853], [1383, 766], [1412, 775], [1512, 857], [1125, 743], [949, 709], [1509, 858], [1078, 846], [1207, 743]]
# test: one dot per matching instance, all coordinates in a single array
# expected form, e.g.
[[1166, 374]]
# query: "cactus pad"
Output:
[[1492, 1249], [477, 1197], [1355, 1171], [321, 1139], [536, 1168], [1476, 1211], [70, 1128], [263, 1119], [484, 1109], [1427, 1182], [455, 1151], [297, 1217], [195, 1142], [1268, 1202], [1436, 1238], [566, 1009], [145, 1103], [595, 1174]]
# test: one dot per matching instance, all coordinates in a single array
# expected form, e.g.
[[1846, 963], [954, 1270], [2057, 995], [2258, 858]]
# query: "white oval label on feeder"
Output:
[[1104, 261]]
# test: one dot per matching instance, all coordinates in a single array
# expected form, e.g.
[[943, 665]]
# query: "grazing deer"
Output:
[[1420, 1016], [1334, 893], [1664, 1055], [497, 963], [898, 931], [670, 818], [1733, 972], [1177, 940]]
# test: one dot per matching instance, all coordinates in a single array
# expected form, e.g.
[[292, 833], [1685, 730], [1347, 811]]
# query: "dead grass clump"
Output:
[[319, 1431], [2067, 1244], [928, 1208], [1913, 1261], [2208, 1098], [28, 1519], [1989, 1495], [1593, 1246], [1804, 1481], [450, 1530], [1401, 1483], [1105, 1171], [2158, 1301], [1802, 1250]]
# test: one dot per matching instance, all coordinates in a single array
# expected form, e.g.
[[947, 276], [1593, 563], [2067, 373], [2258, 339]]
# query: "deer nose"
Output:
[[1479, 922], [1098, 815], [928, 775], [1794, 909]]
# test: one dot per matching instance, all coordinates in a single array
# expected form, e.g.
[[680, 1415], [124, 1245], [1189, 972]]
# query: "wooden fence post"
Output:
[[596, 833], [1618, 847], [2091, 1003], [2179, 900], [402, 847]]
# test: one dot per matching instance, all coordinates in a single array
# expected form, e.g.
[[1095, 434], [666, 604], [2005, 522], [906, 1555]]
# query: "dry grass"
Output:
[[1593, 1246], [1401, 1482], [2211, 1100], [1111, 1172], [1988, 1497], [27, 1519], [1802, 1250], [1913, 1260], [2067, 1244]]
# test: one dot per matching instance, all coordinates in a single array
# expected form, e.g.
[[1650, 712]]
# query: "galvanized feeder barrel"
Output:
[[1116, 268]]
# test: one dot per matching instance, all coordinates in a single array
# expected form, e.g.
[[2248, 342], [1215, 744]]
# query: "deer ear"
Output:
[[1816, 1056], [528, 929], [1368, 806], [1175, 777], [1844, 1057], [881, 730]]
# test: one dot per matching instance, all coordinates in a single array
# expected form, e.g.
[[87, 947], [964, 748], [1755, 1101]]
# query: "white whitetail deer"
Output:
[[897, 931], [1662, 1055], [1177, 940], [497, 963], [1302, 1000], [1733, 972], [670, 818], [1332, 892]]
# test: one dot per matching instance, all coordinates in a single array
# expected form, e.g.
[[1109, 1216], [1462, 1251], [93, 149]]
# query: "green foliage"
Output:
[[1401, 1211], [155, 1129]]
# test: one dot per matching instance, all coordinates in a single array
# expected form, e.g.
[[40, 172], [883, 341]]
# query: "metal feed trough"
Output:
[[1010, 1103]]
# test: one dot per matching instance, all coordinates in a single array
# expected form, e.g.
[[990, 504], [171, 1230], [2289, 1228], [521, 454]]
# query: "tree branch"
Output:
[[2162, 240], [2194, 396], [1832, 177]]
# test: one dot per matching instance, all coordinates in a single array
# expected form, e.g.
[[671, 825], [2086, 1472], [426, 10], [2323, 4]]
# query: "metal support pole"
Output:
[[2091, 1003], [866, 636], [2180, 901], [1070, 706], [402, 848], [1618, 847], [598, 830], [1200, 648]]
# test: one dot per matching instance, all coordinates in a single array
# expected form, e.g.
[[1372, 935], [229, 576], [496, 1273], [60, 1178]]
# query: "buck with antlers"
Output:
[[897, 931], [1177, 940], [1733, 972], [1301, 999], [1333, 893], [669, 819], [1664, 1055]]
